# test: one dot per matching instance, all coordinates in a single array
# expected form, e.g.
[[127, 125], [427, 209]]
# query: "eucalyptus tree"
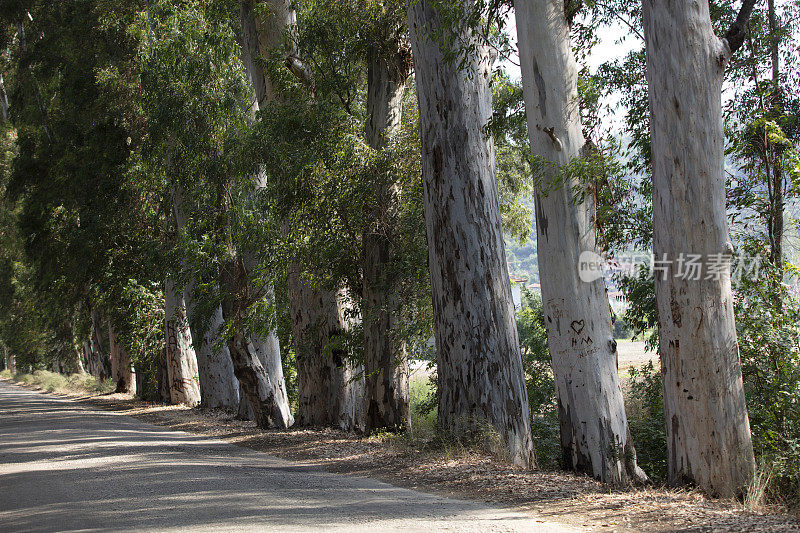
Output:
[[479, 365], [385, 358], [71, 137], [594, 429], [704, 401], [122, 373]]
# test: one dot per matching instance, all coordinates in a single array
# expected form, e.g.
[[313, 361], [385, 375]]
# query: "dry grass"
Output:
[[59, 383]]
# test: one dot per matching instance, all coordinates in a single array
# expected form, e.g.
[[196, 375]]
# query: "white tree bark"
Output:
[[385, 358], [9, 360], [184, 383], [257, 361], [218, 384], [478, 356], [260, 37], [121, 367], [708, 430], [77, 362], [594, 429]]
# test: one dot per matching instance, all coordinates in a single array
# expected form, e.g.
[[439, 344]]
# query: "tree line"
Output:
[[272, 206]]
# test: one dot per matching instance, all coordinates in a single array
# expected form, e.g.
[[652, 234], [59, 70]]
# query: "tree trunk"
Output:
[[385, 359], [162, 376], [708, 431], [218, 385], [121, 367], [261, 36], [184, 387], [257, 362], [87, 357], [77, 363], [9, 361], [100, 363], [477, 347], [4, 101], [595, 438], [330, 388], [778, 187]]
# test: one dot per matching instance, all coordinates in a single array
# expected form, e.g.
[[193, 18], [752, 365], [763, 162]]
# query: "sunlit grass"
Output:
[[60, 383]]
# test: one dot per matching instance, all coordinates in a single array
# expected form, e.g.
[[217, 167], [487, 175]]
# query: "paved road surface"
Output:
[[66, 467]]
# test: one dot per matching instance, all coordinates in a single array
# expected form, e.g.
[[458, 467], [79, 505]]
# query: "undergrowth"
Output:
[[60, 383]]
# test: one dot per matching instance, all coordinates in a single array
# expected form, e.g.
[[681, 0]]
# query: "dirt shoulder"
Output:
[[553, 496]]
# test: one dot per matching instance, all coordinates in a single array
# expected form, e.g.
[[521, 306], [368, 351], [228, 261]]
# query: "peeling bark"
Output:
[[257, 362], [330, 388], [218, 384], [122, 372], [181, 361], [595, 438], [261, 36], [708, 430], [477, 348], [385, 358]]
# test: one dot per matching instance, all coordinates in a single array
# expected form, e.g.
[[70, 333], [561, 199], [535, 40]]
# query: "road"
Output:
[[64, 467]]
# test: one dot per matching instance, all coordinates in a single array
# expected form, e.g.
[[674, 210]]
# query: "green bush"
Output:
[[622, 330], [644, 404], [767, 318], [539, 380]]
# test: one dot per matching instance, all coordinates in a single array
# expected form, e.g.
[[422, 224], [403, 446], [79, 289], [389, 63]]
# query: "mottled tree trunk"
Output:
[[162, 376], [101, 364], [385, 359], [330, 388], [77, 362], [256, 361], [708, 431], [218, 385], [9, 360], [121, 367], [594, 429], [77, 359], [261, 36], [477, 348], [184, 386]]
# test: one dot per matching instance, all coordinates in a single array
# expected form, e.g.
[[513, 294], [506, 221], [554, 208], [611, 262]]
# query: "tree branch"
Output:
[[736, 33]]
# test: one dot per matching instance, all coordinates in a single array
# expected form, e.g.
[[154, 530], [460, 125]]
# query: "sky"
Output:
[[615, 42]]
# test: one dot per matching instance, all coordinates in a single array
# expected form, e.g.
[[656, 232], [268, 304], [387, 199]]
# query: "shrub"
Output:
[[644, 404]]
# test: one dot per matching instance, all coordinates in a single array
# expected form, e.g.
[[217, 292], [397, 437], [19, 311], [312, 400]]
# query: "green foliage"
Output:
[[622, 330], [539, 380], [644, 404], [769, 346]]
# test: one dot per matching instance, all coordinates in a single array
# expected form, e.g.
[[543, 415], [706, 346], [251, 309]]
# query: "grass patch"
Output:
[[60, 383]]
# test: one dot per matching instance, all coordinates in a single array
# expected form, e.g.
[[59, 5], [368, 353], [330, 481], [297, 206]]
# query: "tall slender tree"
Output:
[[480, 378], [708, 431], [385, 358], [328, 387], [218, 384], [594, 428], [122, 373]]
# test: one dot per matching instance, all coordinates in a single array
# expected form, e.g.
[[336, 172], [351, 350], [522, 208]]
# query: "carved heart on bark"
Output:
[[577, 326]]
